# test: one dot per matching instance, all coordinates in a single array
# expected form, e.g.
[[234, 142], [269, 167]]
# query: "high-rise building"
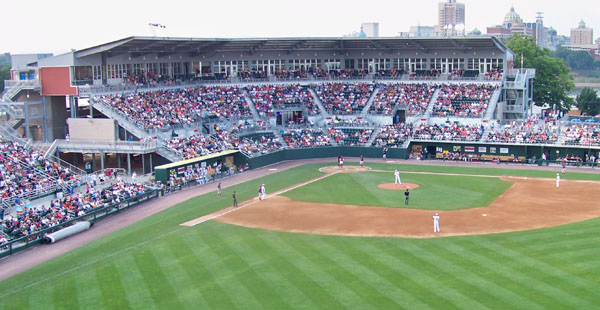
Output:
[[582, 36], [451, 14], [371, 29]]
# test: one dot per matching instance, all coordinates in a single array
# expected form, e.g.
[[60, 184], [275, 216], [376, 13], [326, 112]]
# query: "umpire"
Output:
[[406, 194]]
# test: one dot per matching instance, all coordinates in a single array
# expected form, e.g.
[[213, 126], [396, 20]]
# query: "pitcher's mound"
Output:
[[398, 187]]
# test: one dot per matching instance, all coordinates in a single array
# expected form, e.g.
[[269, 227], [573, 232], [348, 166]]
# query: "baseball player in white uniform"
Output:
[[436, 223], [397, 177], [263, 192], [557, 180]]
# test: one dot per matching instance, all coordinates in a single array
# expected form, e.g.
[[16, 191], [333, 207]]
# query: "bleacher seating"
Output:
[[416, 97], [31, 220], [393, 135], [259, 144], [350, 136], [463, 100], [448, 132], [530, 131], [344, 99], [164, 108], [268, 98], [581, 134], [25, 173], [305, 137]]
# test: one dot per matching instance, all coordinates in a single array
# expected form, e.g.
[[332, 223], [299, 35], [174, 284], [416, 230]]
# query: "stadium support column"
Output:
[[26, 112], [102, 160], [73, 106], [93, 161], [128, 164], [143, 164]]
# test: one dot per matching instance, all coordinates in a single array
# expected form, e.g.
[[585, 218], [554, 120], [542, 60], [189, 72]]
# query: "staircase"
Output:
[[319, 103], [253, 110], [121, 119], [489, 113], [373, 136], [365, 111], [432, 102]]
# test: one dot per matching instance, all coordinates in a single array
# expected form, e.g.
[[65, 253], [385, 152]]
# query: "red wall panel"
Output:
[[56, 82]]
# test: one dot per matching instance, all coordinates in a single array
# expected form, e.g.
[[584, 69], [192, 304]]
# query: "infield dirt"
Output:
[[530, 203]]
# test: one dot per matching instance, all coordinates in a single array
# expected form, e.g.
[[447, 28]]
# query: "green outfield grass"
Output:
[[436, 192], [157, 264]]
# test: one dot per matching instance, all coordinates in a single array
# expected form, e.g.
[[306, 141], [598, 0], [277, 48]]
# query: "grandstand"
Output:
[[142, 102]]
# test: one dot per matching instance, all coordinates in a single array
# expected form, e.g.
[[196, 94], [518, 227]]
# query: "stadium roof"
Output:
[[198, 46]]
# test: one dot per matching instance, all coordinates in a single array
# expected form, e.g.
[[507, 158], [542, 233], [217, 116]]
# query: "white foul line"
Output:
[[268, 196]]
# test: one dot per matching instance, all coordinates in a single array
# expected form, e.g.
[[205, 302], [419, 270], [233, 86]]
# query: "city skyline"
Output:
[[86, 25]]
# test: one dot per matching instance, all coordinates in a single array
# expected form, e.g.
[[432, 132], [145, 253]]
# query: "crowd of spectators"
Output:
[[448, 132], [305, 137], [164, 108], [31, 220], [268, 98], [393, 135], [259, 144], [463, 100], [581, 134], [350, 136], [25, 172], [529, 131], [342, 98], [416, 97]]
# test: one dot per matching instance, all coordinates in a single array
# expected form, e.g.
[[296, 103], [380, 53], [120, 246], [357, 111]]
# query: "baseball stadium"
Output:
[[259, 173]]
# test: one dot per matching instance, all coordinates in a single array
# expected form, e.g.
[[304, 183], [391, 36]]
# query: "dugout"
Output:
[[228, 159]]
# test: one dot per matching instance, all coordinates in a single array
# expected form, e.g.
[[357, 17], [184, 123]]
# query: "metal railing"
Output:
[[94, 215]]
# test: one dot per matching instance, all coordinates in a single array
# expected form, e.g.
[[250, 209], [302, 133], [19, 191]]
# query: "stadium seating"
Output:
[[416, 97], [448, 132], [530, 131], [350, 136], [305, 137], [463, 100], [581, 134], [268, 98], [259, 144], [164, 108], [393, 135], [25, 173], [344, 99], [62, 210]]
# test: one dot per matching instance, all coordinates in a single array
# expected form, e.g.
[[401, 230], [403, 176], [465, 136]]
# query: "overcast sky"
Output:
[[59, 25]]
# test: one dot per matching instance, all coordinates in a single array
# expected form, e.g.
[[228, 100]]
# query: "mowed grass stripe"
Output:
[[113, 292], [40, 298], [540, 236], [137, 293], [534, 274], [65, 295], [423, 283], [293, 250], [262, 263], [247, 274], [577, 286], [313, 291], [317, 252], [523, 277], [155, 280], [177, 278], [409, 293], [442, 281], [88, 290], [503, 276], [474, 275], [382, 284], [204, 283], [223, 270]]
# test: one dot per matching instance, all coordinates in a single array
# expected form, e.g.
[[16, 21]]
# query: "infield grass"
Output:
[[436, 192], [157, 264]]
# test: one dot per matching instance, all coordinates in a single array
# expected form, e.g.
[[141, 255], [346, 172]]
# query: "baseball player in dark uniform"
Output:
[[235, 205], [406, 194]]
